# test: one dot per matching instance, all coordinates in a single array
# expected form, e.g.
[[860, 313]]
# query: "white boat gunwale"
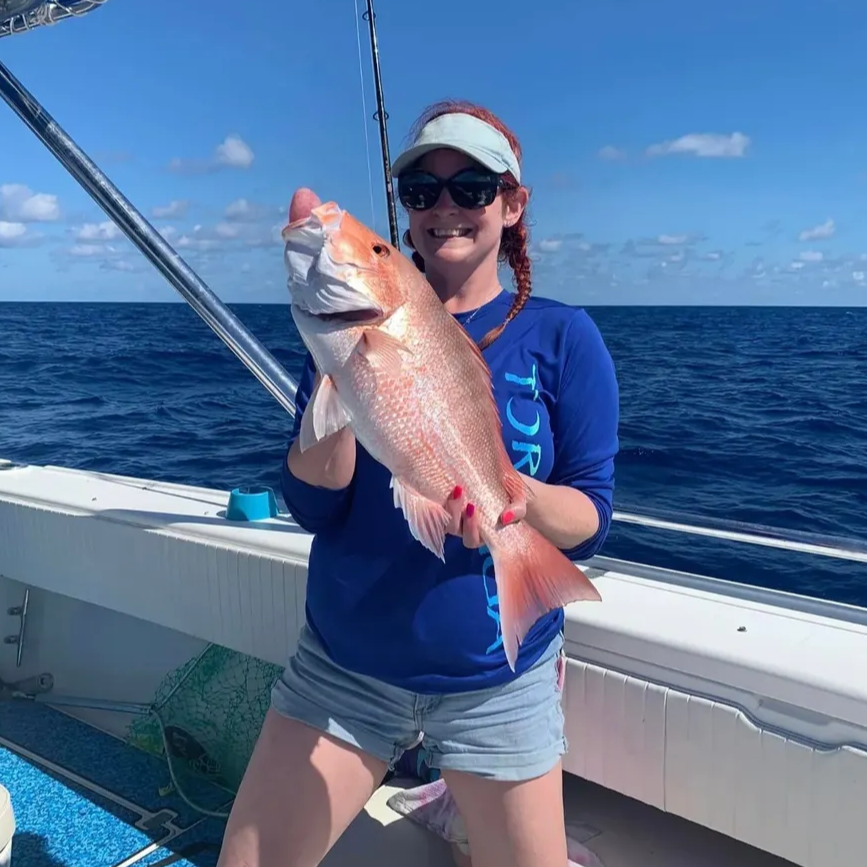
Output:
[[647, 714]]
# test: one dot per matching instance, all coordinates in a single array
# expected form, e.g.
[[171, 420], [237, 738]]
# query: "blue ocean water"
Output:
[[747, 414]]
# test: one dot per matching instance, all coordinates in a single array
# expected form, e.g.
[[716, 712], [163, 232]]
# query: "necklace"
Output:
[[472, 315], [469, 318]]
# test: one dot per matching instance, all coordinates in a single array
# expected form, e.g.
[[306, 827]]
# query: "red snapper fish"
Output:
[[399, 370]]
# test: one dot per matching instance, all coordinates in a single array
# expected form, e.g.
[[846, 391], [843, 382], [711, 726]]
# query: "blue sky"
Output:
[[678, 152]]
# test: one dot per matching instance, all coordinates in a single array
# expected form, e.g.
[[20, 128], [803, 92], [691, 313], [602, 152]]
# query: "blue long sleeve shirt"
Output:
[[381, 603]]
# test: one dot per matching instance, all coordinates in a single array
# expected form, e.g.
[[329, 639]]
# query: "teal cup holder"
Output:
[[252, 503]]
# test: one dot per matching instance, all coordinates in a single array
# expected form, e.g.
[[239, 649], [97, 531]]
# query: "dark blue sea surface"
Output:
[[746, 414]]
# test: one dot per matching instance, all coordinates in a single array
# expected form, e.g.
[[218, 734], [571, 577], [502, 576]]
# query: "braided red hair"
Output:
[[515, 239]]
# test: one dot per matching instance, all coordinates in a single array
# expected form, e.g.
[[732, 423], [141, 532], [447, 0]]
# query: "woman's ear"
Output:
[[514, 205]]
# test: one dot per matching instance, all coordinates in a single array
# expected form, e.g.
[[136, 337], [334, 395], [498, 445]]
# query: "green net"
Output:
[[205, 718]]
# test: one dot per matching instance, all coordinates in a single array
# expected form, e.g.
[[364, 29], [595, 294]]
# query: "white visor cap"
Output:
[[467, 134]]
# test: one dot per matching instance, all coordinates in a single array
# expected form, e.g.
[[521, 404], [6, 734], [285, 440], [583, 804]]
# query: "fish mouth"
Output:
[[348, 317]]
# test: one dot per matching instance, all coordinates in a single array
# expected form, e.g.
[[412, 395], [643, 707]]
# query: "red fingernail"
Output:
[[470, 510], [508, 517], [456, 493]]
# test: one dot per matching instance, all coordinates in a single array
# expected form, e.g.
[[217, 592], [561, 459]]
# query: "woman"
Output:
[[400, 648]]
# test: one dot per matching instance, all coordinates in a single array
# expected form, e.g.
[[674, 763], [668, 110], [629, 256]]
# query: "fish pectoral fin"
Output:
[[324, 415], [382, 351], [427, 520]]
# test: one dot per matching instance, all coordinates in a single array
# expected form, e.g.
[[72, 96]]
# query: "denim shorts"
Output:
[[509, 732]]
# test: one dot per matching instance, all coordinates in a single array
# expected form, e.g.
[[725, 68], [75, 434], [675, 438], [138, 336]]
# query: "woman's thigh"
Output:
[[326, 744], [301, 790]]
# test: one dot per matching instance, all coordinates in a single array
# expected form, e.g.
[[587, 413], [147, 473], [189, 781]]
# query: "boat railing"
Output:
[[836, 547]]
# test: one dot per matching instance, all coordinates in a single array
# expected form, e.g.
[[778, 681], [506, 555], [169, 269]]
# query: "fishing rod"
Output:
[[381, 117]]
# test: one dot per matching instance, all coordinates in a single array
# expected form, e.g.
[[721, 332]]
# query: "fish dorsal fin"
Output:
[[477, 352], [514, 482], [479, 361]]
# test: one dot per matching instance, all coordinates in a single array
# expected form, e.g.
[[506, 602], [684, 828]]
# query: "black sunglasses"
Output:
[[470, 188]]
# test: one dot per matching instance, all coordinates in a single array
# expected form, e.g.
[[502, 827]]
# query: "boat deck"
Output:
[[84, 798]]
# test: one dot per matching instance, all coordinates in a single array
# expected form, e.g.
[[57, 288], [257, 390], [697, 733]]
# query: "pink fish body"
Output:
[[402, 373]]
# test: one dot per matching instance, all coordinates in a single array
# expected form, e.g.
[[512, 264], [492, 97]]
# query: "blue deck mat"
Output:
[[62, 823], [105, 760]]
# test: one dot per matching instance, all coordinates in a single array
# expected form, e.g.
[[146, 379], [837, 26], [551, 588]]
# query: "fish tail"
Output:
[[533, 577]]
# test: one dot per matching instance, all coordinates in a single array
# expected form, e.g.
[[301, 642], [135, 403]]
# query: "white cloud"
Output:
[[174, 209], [243, 210], [233, 152], [12, 234], [859, 276], [105, 231], [550, 245], [811, 256], [222, 238], [226, 230], [823, 230], [87, 251], [200, 239], [118, 265], [19, 204], [610, 152], [757, 269], [652, 248], [238, 210], [699, 144], [91, 249]]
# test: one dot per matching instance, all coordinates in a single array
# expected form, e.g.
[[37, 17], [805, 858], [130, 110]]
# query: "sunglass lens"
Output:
[[418, 191], [473, 189]]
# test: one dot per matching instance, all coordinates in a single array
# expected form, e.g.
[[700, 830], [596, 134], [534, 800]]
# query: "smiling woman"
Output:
[[416, 614]]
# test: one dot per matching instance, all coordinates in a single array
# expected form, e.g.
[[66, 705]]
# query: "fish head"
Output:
[[340, 272]]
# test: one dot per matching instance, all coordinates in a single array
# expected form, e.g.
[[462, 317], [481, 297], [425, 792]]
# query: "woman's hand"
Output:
[[465, 518], [565, 516]]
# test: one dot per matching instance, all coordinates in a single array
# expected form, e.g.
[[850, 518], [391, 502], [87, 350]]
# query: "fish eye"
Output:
[[381, 251]]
